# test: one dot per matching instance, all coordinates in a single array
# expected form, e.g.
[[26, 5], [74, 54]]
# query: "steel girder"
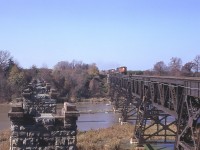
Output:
[[188, 136], [122, 98], [155, 99]]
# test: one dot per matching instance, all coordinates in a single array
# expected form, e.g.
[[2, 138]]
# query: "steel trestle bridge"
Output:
[[165, 109]]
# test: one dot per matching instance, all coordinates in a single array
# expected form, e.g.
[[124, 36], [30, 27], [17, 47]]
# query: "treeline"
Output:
[[78, 80], [73, 80], [174, 68]]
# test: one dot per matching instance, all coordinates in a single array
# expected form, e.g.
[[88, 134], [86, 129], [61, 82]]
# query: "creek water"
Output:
[[102, 119]]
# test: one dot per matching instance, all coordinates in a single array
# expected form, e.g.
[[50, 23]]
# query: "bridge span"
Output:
[[164, 109]]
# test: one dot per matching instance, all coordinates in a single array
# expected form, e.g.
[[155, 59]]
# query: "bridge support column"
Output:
[[35, 125], [188, 135], [153, 124]]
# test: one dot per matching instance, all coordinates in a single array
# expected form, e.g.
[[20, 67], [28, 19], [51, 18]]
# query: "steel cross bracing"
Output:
[[165, 109]]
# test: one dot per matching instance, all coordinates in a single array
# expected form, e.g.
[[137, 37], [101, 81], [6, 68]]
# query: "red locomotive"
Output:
[[119, 70], [122, 70]]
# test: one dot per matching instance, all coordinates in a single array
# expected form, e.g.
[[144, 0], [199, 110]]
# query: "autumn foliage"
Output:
[[73, 80]]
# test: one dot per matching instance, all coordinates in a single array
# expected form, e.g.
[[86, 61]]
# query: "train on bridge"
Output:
[[164, 109]]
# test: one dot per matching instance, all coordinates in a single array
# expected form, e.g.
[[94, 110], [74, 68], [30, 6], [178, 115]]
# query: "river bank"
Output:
[[4, 139], [116, 137], [94, 100]]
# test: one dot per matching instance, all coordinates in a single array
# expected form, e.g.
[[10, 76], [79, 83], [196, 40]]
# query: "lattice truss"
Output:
[[165, 110]]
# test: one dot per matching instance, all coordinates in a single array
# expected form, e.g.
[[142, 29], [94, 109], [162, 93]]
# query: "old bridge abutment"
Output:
[[36, 124]]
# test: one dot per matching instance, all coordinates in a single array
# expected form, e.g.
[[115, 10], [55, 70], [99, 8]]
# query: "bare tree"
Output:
[[160, 68], [148, 72], [62, 65], [186, 70], [175, 66], [197, 63], [73, 78], [4, 59]]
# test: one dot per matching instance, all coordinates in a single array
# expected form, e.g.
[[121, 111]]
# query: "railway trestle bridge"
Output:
[[164, 109]]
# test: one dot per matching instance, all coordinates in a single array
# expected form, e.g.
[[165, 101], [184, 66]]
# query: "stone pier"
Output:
[[35, 125]]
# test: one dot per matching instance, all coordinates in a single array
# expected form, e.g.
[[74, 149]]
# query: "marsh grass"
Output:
[[116, 137], [4, 139], [159, 136], [105, 139]]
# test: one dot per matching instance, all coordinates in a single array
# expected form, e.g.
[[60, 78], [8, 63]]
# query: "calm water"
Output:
[[85, 121], [96, 120], [4, 120]]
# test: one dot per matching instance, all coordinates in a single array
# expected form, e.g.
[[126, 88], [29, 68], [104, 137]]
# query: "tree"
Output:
[[187, 69], [45, 74], [73, 78], [197, 63], [148, 72], [5, 94], [9, 66], [175, 66], [160, 68], [4, 59], [34, 71], [94, 87], [62, 65], [93, 70], [16, 81]]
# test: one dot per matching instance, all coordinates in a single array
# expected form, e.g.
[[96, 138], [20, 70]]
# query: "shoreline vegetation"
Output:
[[116, 137], [81, 101], [94, 100], [4, 139]]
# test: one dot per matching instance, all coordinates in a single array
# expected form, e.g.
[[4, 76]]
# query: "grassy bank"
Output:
[[95, 100], [116, 137], [4, 139], [113, 138]]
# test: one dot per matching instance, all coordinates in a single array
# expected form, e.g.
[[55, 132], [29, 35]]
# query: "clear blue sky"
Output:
[[110, 33]]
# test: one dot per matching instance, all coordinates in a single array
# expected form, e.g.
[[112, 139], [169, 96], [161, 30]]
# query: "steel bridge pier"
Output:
[[165, 109]]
